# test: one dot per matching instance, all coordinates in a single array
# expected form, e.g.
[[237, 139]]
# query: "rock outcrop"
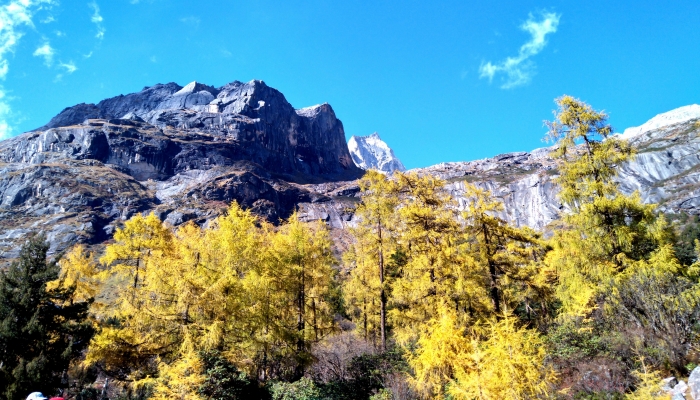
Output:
[[371, 152], [182, 152], [249, 121]]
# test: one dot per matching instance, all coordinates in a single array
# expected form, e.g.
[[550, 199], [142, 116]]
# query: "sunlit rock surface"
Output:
[[184, 153]]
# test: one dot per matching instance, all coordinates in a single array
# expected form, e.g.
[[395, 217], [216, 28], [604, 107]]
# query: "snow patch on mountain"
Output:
[[371, 152], [673, 117]]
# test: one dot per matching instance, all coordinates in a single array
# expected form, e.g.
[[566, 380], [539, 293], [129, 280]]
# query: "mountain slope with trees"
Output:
[[431, 298]]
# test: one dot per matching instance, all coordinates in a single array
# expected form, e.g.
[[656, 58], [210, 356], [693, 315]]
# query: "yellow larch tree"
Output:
[[494, 360], [300, 267], [375, 235], [507, 257], [127, 340], [182, 295], [435, 271], [442, 349], [504, 361], [360, 292], [605, 229], [79, 268]]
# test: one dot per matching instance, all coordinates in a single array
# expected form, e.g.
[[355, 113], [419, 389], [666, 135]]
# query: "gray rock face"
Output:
[[666, 171], [678, 391], [252, 121], [523, 181], [184, 153], [694, 384], [72, 201]]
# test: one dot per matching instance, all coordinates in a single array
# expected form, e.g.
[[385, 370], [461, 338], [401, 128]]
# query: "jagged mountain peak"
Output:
[[195, 87], [314, 110], [169, 103], [371, 152]]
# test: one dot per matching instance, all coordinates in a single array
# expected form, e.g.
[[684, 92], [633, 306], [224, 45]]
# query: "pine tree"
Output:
[[507, 257], [375, 236], [435, 271], [41, 330], [300, 265], [605, 229]]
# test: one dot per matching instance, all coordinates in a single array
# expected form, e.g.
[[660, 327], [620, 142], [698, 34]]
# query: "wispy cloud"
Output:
[[69, 66], [48, 20], [519, 70], [191, 20], [45, 51], [13, 16], [97, 20]]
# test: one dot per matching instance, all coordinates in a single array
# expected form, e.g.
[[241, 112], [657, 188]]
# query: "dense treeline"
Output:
[[431, 299]]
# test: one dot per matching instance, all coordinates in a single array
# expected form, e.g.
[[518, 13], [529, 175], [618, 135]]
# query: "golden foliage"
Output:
[[255, 294], [605, 228], [375, 234], [506, 362], [495, 361]]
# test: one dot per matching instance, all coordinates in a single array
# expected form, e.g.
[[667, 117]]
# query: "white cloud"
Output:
[[13, 15], [97, 20], [48, 19], [60, 33], [69, 66], [88, 55], [519, 70], [45, 51], [191, 20]]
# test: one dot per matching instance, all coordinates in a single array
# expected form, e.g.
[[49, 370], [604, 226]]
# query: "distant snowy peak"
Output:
[[673, 117], [371, 152]]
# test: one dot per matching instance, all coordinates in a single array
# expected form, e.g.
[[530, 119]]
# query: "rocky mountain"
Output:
[[182, 152], [371, 152], [185, 153], [666, 171]]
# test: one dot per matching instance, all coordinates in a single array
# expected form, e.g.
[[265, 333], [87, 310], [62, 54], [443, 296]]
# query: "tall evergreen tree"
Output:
[[607, 229], [41, 330]]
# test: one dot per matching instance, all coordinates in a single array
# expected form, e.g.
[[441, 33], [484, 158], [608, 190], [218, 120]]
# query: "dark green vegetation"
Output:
[[41, 330]]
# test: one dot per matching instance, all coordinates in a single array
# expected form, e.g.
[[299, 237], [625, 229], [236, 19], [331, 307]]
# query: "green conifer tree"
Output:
[[41, 330]]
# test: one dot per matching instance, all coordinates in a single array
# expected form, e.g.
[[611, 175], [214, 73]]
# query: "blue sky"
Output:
[[439, 81]]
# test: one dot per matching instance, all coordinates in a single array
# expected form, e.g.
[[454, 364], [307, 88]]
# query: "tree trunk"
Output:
[[495, 293], [301, 324], [382, 293]]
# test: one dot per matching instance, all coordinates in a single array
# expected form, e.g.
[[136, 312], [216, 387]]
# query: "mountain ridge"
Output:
[[185, 152]]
